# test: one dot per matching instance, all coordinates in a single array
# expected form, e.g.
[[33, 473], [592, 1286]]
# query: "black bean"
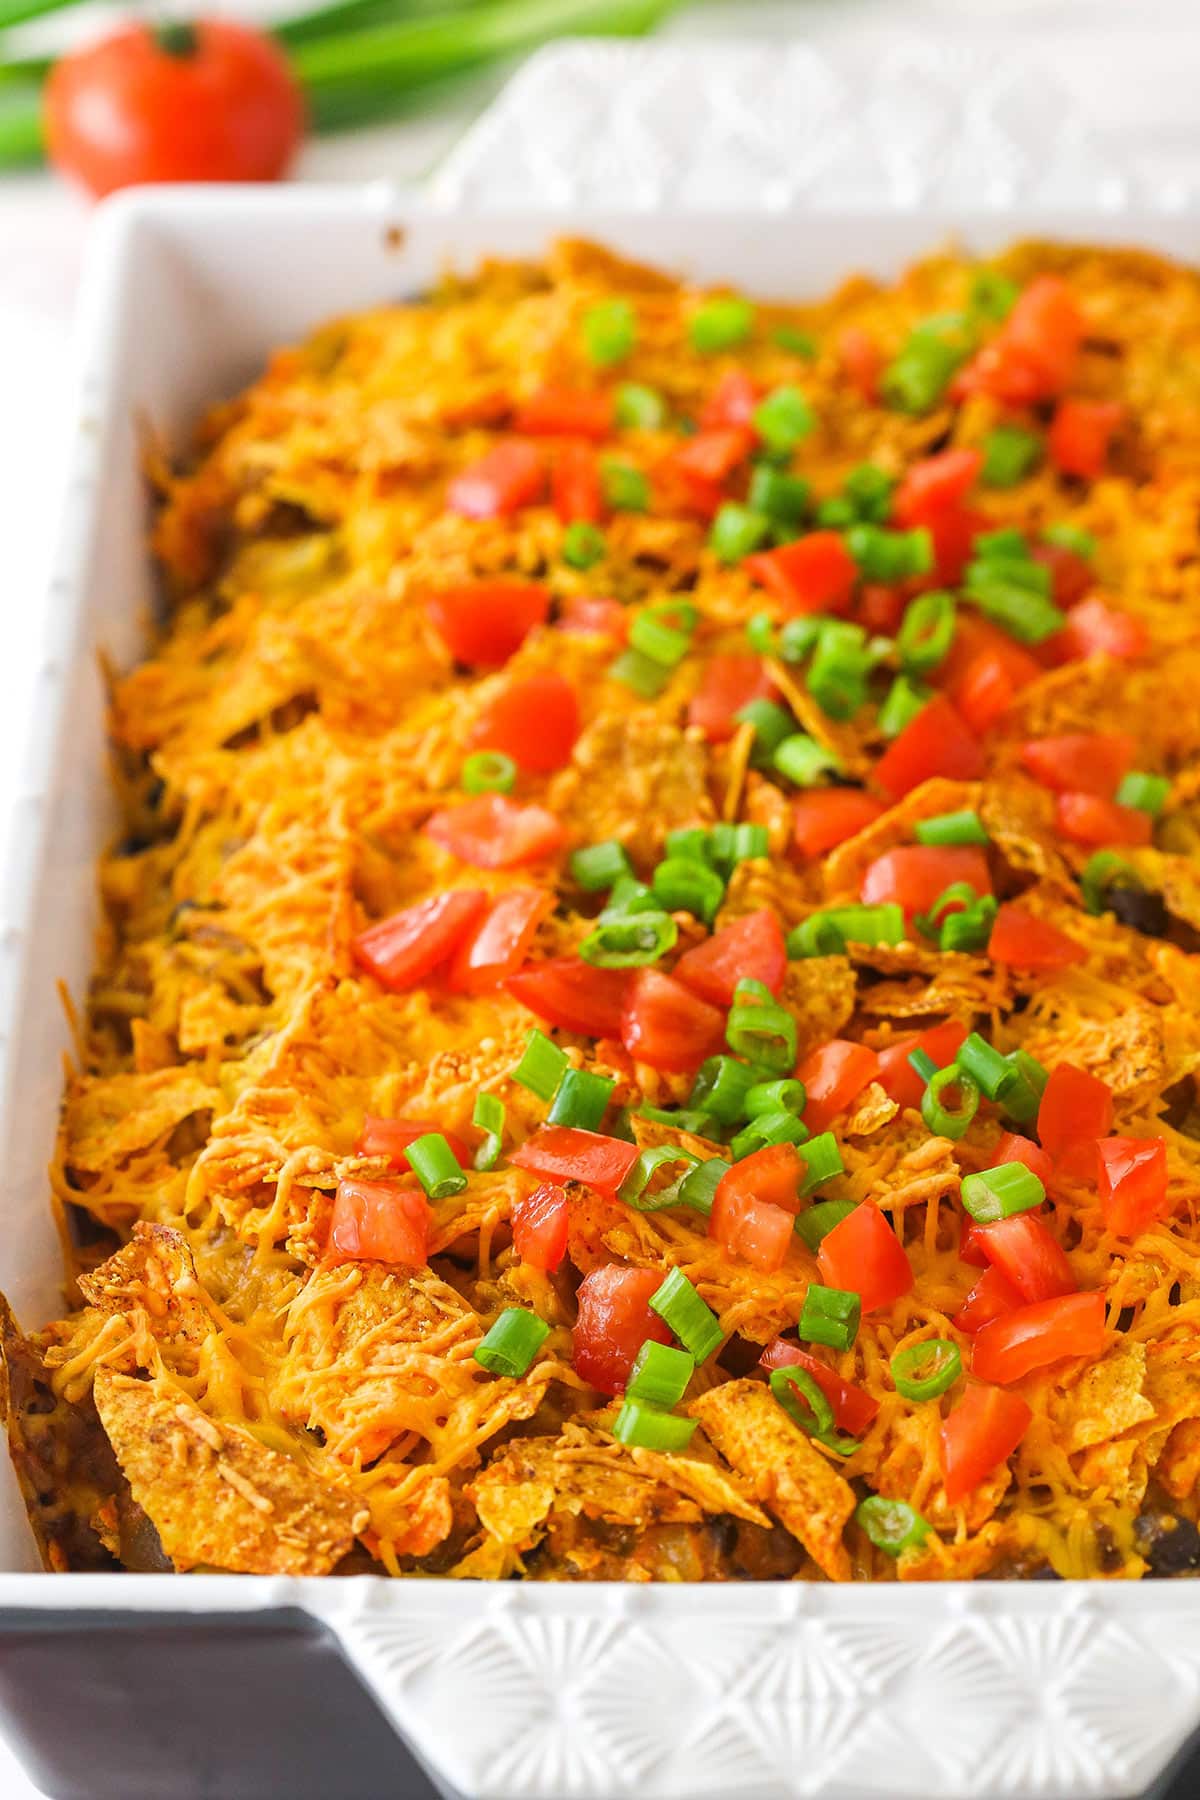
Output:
[[1169, 1543], [1141, 911]]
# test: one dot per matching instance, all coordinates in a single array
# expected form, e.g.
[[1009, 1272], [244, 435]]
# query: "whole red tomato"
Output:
[[210, 102]]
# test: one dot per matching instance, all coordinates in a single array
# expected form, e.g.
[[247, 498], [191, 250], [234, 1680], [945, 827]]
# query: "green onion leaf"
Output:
[[582, 1100], [1009, 453], [1148, 793], [767, 1097], [1103, 871], [992, 1071], [720, 324], [645, 1428], [435, 1166], [489, 772], [641, 673], [736, 531], [598, 866], [541, 1066], [583, 544], [837, 674], [903, 702], [1002, 1192], [721, 1087], [1070, 537], [890, 556], [772, 724], [918, 376], [761, 1030], [782, 498], [650, 635], [783, 418], [800, 343], [626, 489], [681, 885], [694, 1322], [660, 1375], [926, 632], [816, 1222], [992, 295], [827, 933], [760, 634], [822, 1161], [946, 1121], [869, 490], [609, 332], [963, 827], [639, 408], [512, 1343], [830, 1316], [782, 1127], [925, 1370], [798, 637], [633, 1189], [630, 940], [488, 1114], [803, 761], [892, 1525]]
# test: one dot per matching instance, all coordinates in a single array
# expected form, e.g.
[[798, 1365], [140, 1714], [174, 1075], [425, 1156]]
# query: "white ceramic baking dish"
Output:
[[1034, 1690]]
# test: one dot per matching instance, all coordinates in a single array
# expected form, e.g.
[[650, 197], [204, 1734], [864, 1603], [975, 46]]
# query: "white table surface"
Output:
[[1132, 66]]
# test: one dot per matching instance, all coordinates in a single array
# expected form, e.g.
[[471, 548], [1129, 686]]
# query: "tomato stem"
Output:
[[176, 37]]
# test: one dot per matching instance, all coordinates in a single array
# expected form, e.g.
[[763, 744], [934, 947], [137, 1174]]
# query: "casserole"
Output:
[[999, 1691]]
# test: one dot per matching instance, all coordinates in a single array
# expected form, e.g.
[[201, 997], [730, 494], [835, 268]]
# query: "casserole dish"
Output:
[[1030, 1691]]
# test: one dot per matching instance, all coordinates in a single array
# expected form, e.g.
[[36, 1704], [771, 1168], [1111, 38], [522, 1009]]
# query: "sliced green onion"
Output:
[[925, 1370], [772, 724], [681, 885], [1004, 595], [797, 637], [828, 933], [837, 674], [609, 332], [767, 1097], [626, 489], [629, 895], [1105, 870], [944, 1121], [802, 760], [640, 408], [760, 634], [629, 941], [822, 1161], [633, 1189], [598, 866], [736, 531], [922, 1064], [830, 1316], [720, 324], [893, 1526], [960, 894], [541, 1066], [836, 513], [1070, 537], [985, 1065], [690, 841], [783, 418], [643, 1427], [816, 1222], [722, 846], [489, 772], [641, 673], [721, 1087], [680, 1118], [488, 1114], [1148, 793], [904, 701], [918, 376], [869, 489], [781, 1127], [435, 1166], [970, 929], [964, 827], [698, 1186], [1009, 453], [761, 1030], [1001, 1192], [1007, 545], [782, 498], [926, 632], [992, 295], [800, 343], [890, 556], [660, 1375], [512, 1343], [694, 1322], [1024, 1097], [582, 1100], [650, 635], [750, 841], [802, 1400], [583, 544]]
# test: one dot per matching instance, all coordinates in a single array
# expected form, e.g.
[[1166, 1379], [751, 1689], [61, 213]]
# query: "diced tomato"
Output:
[[897, 1077], [953, 532], [566, 412], [1094, 628], [402, 950], [935, 485], [975, 637], [732, 401], [854, 1410], [1017, 1343], [1033, 355], [914, 875], [666, 1025], [753, 1231], [773, 1173], [509, 476], [822, 818], [1080, 762], [539, 1226], [1087, 819], [1075, 1110], [570, 993], [565, 1153], [712, 456], [379, 1221], [614, 1320], [501, 943], [982, 1431], [985, 691], [992, 1296], [863, 1254], [1133, 1183], [493, 831], [751, 946], [834, 1075], [935, 742], [1070, 574], [593, 615], [816, 574], [1025, 1250], [880, 609], [534, 720], [1012, 1148], [484, 622], [1023, 941], [729, 682], [391, 1138], [970, 1250], [1080, 434], [575, 484], [862, 362]]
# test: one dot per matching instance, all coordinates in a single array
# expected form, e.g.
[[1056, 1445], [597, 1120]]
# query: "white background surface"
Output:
[[1131, 67]]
